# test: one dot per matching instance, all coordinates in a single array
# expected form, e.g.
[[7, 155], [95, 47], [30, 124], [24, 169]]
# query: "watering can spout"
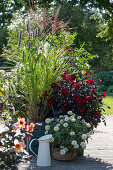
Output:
[[43, 158]]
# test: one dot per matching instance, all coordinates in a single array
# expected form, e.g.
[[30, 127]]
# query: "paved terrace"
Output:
[[97, 156]]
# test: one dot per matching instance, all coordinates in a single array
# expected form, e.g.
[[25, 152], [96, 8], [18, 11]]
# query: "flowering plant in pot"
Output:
[[70, 135], [78, 93]]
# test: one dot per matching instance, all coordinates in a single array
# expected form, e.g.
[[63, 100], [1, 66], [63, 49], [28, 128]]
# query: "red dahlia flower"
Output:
[[103, 95], [89, 98], [76, 87], [50, 101], [77, 99], [90, 81], [64, 92]]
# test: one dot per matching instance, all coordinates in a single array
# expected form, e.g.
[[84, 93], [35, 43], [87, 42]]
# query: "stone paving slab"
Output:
[[98, 154]]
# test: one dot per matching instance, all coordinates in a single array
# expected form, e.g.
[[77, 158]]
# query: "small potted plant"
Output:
[[70, 135]]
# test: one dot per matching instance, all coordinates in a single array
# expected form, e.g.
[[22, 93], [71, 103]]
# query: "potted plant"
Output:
[[70, 134], [76, 92]]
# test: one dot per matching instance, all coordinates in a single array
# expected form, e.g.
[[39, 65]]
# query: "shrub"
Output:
[[77, 93], [104, 81]]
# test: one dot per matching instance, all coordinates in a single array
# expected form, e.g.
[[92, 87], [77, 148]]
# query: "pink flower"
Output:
[[69, 49], [30, 127], [21, 122]]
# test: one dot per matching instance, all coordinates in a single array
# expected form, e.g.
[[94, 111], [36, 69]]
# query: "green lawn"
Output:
[[108, 100]]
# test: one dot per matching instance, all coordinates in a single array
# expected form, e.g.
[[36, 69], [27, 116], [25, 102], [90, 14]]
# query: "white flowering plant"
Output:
[[70, 132]]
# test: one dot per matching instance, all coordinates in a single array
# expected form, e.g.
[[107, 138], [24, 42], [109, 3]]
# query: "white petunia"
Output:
[[61, 116], [52, 139], [91, 132], [56, 128], [65, 124], [76, 146], [48, 120], [72, 133], [88, 135], [62, 151], [73, 120], [74, 142], [46, 132], [79, 117], [61, 147], [70, 112], [66, 118], [84, 136], [61, 121], [83, 145], [47, 127], [88, 125]]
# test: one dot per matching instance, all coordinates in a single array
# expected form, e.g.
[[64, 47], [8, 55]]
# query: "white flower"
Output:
[[47, 127], [56, 128], [61, 116], [74, 142], [61, 147], [83, 145], [52, 139], [84, 136], [66, 118], [58, 125], [62, 152], [72, 133], [66, 149], [73, 119], [91, 132], [46, 132], [88, 135], [48, 120], [61, 121], [79, 117], [70, 112], [76, 146], [88, 125], [65, 124]]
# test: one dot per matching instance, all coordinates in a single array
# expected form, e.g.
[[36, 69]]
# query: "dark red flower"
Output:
[[76, 86], [66, 72], [77, 99], [64, 92], [89, 98], [54, 85], [98, 114], [45, 93], [103, 95], [81, 111], [73, 77], [69, 49], [94, 91], [83, 102], [50, 101], [90, 81]]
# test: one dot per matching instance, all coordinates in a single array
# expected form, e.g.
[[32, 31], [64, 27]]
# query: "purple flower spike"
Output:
[[20, 35]]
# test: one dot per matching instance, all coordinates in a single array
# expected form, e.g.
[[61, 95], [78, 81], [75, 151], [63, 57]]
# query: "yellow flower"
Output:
[[2, 89], [1, 94]]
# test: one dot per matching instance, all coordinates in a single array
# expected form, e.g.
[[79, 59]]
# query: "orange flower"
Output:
[[21, 122], [19, 146], [30, 127]]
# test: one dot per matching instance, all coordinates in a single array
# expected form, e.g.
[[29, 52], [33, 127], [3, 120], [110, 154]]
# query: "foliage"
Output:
[[109, 101], [104, 80], [78, 93], [12, 143], [70, 132]]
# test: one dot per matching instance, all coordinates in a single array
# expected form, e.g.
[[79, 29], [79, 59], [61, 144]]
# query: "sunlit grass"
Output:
[[108, 100]]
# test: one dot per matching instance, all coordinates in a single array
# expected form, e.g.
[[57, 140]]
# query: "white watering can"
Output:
[[43, 158]]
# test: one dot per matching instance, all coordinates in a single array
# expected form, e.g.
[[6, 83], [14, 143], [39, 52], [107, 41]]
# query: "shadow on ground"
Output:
[[81, 163]]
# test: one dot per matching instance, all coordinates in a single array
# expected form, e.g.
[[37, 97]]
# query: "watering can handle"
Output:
[[30, 147]]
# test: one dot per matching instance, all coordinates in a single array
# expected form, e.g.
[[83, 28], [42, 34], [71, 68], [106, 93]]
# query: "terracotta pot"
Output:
[[69, 156]]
